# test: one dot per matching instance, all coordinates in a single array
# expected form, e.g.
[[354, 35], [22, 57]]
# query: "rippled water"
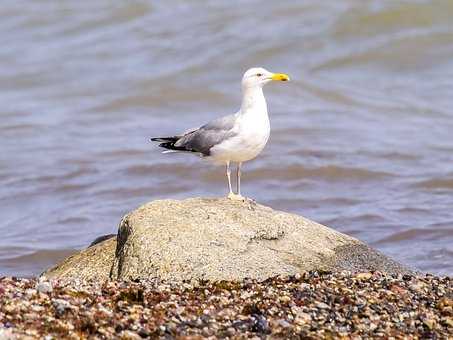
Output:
[[361, 138]]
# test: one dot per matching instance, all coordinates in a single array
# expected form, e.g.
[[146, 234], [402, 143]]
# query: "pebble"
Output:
[[128, 335], [44, 287], [30, 292], [283, 323], [364, 276], [285, 299], [322, 305], [230, 331], [61, 305], [304, 285], [302, 318]]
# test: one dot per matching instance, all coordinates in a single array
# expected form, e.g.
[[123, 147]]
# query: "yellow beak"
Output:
[[280, 77]]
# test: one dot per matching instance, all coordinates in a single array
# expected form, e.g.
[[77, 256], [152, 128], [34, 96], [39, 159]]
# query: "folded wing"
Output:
[[201, 140]]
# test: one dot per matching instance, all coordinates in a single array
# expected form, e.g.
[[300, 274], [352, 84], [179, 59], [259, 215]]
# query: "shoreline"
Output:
[[309, 304]]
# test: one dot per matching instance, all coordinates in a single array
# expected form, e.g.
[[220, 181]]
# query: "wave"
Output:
[[328, 172], [416, 234], [436, 183], [32, 263]]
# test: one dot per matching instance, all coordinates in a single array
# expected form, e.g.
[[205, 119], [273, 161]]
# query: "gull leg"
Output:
[[228, 173], [238, 183], [232, 196]]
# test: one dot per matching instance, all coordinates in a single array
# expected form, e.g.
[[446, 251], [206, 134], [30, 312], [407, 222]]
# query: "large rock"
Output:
[[218, 239], [91, 264]]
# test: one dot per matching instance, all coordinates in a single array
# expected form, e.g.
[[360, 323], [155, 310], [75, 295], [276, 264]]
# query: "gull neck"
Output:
[[253, 98]]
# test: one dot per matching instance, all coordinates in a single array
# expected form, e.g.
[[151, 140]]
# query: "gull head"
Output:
[[258, 77]]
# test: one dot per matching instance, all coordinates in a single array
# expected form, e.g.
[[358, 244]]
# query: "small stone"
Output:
[[417, 287], [372, 326], [364, 276], [32, 332], [430, 323], [398, 290], [206, 332], [9, 309], [30, 292], [285, 299], [302, 318], [283, 323], [44, 287], [448, 321], [322, 305], [296, 310], [143, 333], [36, 309], [129, 335], [61, 305], [230, 331], [304, 286], [445, 304], [260, 324]]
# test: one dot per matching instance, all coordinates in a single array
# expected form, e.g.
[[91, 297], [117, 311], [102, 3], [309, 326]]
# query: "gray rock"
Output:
[[218, 239]]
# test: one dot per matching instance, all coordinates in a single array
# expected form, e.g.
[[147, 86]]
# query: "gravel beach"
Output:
[[310, 305]]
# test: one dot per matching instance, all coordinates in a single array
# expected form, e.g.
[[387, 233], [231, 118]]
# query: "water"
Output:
[[361, 138]]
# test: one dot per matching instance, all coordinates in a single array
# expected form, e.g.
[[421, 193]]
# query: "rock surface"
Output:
[[91, 264], [218, 239]]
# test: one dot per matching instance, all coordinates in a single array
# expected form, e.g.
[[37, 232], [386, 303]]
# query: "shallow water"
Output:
[[361, 138]]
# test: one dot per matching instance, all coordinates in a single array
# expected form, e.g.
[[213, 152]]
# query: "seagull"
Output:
[[235, 138]]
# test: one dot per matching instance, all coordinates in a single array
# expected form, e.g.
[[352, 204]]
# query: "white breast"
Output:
[[252, 133], [251, 130]]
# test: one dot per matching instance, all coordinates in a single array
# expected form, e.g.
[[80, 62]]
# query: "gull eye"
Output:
[[259, 74]]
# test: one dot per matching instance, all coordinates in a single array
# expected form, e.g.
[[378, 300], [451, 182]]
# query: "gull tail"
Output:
[[169, 144]]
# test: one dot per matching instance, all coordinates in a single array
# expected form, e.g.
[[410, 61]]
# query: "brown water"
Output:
[[361, 139]]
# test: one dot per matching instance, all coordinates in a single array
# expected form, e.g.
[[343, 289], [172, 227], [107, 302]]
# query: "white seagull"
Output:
[[235, 138]]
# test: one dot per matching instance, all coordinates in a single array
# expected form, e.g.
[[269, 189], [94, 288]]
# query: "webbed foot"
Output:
[[235, 197]]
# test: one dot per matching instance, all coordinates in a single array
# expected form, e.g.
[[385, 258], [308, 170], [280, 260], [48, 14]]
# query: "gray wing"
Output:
[[204, 138]]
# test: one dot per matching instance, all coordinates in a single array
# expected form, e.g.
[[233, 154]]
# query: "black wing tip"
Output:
[[163, 139], [169, 144]]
